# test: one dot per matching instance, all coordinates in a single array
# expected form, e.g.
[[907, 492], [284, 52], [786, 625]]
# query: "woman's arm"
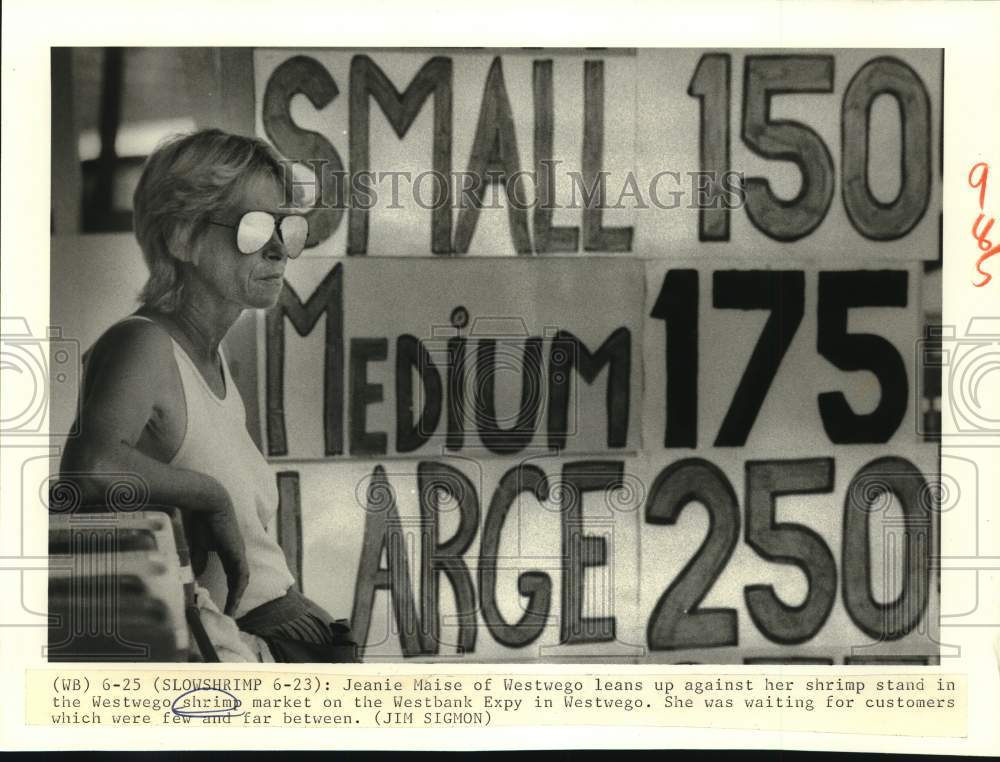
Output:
[[128, 374]]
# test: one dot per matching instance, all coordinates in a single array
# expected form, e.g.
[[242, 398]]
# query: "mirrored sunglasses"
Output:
[[255, 229]]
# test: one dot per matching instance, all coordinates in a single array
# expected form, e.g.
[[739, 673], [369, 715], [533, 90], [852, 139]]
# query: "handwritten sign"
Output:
[[419, 358], [516, 153], [608, 355]]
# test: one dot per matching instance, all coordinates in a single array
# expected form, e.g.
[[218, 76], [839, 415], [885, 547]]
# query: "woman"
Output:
[[158, 400]]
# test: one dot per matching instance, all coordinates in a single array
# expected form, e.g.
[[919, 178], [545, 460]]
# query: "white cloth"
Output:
[[230, 643]]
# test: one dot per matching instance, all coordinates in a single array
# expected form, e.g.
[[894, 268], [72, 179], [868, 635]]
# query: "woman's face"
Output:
[[246, 280]]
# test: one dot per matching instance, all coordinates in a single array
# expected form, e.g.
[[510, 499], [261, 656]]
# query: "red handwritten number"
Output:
[[981, 182], [985, 244]]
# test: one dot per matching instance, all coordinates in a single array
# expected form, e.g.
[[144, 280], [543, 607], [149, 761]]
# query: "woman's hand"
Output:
[[227, 541]]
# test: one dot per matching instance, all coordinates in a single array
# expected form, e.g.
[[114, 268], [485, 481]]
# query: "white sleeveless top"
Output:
[[216, 442]]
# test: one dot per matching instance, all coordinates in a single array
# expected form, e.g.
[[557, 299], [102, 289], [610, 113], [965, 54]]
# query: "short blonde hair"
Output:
[[185, 182]]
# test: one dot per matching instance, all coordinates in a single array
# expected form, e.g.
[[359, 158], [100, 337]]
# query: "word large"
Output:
[[676, 621]]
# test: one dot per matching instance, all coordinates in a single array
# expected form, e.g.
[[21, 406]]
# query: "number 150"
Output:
[[787, 140]]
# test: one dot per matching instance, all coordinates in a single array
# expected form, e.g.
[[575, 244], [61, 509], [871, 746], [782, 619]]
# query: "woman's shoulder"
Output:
[[138, 342], [131, 387]]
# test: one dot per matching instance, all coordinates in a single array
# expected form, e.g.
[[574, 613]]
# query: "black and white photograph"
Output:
[[512, 376], [496, 355]]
